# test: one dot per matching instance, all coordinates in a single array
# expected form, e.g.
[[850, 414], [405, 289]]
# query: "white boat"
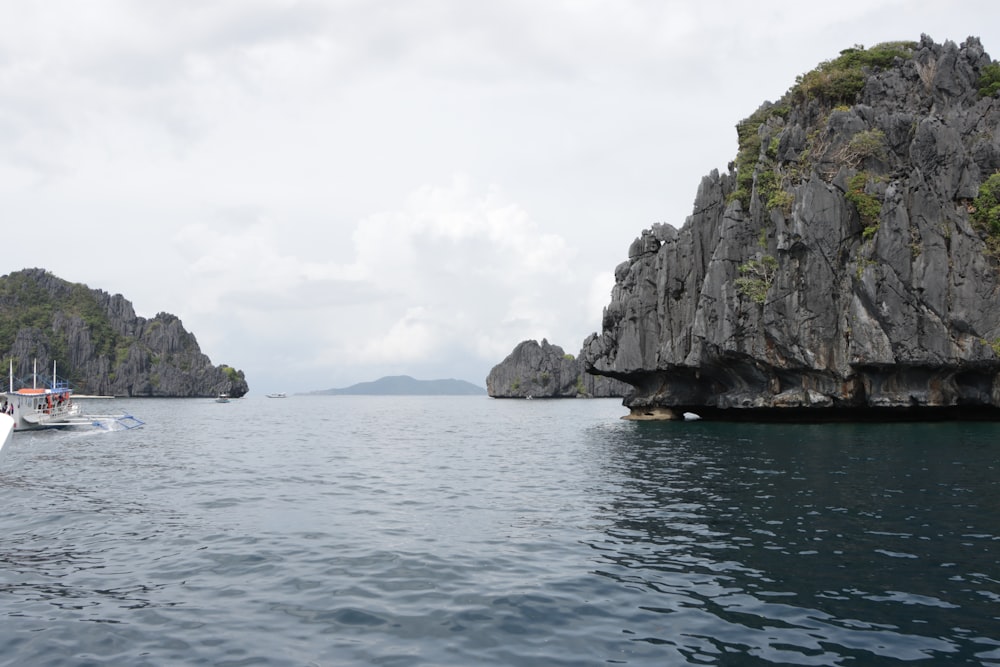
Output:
[[6, 430], [279, 394], [36, 407], [222, 398]]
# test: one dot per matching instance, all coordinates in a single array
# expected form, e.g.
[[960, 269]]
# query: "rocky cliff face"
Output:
[[838, 269], [100, 345], [545, 371]]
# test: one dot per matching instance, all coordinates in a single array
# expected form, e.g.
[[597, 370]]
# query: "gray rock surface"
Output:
[[893, 316], [101, 346], [545, 371]]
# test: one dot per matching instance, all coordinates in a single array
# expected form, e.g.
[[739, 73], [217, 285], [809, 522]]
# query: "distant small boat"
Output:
[[279, 394], [222, 398]]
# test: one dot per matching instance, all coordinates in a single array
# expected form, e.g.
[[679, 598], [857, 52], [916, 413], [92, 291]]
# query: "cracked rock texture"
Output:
[[101, 347], [545, 371], [862, 313]]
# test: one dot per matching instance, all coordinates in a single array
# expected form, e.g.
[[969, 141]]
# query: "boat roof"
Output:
[[41, 390]]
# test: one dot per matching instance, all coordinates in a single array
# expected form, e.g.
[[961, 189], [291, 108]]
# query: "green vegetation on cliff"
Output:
[[989, 80], [98, 343], [756, 277], [834, 85], [986, 207], [28, 305], [869, 206], [840, 80], [986, 212]]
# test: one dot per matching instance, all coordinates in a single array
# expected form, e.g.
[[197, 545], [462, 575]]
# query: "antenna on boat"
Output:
[[10, 380]]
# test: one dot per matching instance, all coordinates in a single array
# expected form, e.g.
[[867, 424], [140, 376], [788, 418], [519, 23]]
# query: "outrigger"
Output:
[[39, 407]]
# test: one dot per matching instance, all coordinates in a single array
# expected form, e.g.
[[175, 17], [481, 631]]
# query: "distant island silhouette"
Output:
[[404, 385]]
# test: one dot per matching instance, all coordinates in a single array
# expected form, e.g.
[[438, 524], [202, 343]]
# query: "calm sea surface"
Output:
[[471, 531]]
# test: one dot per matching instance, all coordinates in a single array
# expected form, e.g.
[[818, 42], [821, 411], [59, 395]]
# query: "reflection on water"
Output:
[[808, 544]]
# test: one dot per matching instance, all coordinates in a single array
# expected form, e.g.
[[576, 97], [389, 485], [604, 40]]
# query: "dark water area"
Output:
[[468, 531]]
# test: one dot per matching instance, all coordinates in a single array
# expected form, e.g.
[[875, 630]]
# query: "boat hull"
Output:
[[6, 431]]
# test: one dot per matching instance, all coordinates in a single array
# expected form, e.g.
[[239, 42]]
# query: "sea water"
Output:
[[404, 531]]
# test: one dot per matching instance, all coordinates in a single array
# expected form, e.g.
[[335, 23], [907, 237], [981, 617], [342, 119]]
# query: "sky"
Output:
[[327, 192]]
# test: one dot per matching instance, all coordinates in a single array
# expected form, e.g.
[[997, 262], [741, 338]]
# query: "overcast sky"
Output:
[[327, 192]]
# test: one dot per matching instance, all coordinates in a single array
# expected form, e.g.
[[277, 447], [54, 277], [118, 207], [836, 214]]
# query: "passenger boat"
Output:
[[222, 398], [279, 394], [37, 407]]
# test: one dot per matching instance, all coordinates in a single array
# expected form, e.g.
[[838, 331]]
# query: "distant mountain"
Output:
[[404, 385]]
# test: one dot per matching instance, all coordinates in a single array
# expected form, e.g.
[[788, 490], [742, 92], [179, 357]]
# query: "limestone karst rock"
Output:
[[545, 371], [837, 270], [100, 345]]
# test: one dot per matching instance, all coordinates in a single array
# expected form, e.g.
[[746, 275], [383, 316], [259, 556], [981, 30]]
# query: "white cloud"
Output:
[[412, 338], [419, 286], [599, 294]]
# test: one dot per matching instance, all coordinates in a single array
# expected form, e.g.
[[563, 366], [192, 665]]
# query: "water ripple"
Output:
[[470, 531]]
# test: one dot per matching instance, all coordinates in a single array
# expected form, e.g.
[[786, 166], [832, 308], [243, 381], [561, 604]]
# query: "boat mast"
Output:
[[34, 375]]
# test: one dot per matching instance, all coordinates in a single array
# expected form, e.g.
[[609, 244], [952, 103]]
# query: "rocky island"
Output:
[[544, 371], [99, 344], [846, 266]]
